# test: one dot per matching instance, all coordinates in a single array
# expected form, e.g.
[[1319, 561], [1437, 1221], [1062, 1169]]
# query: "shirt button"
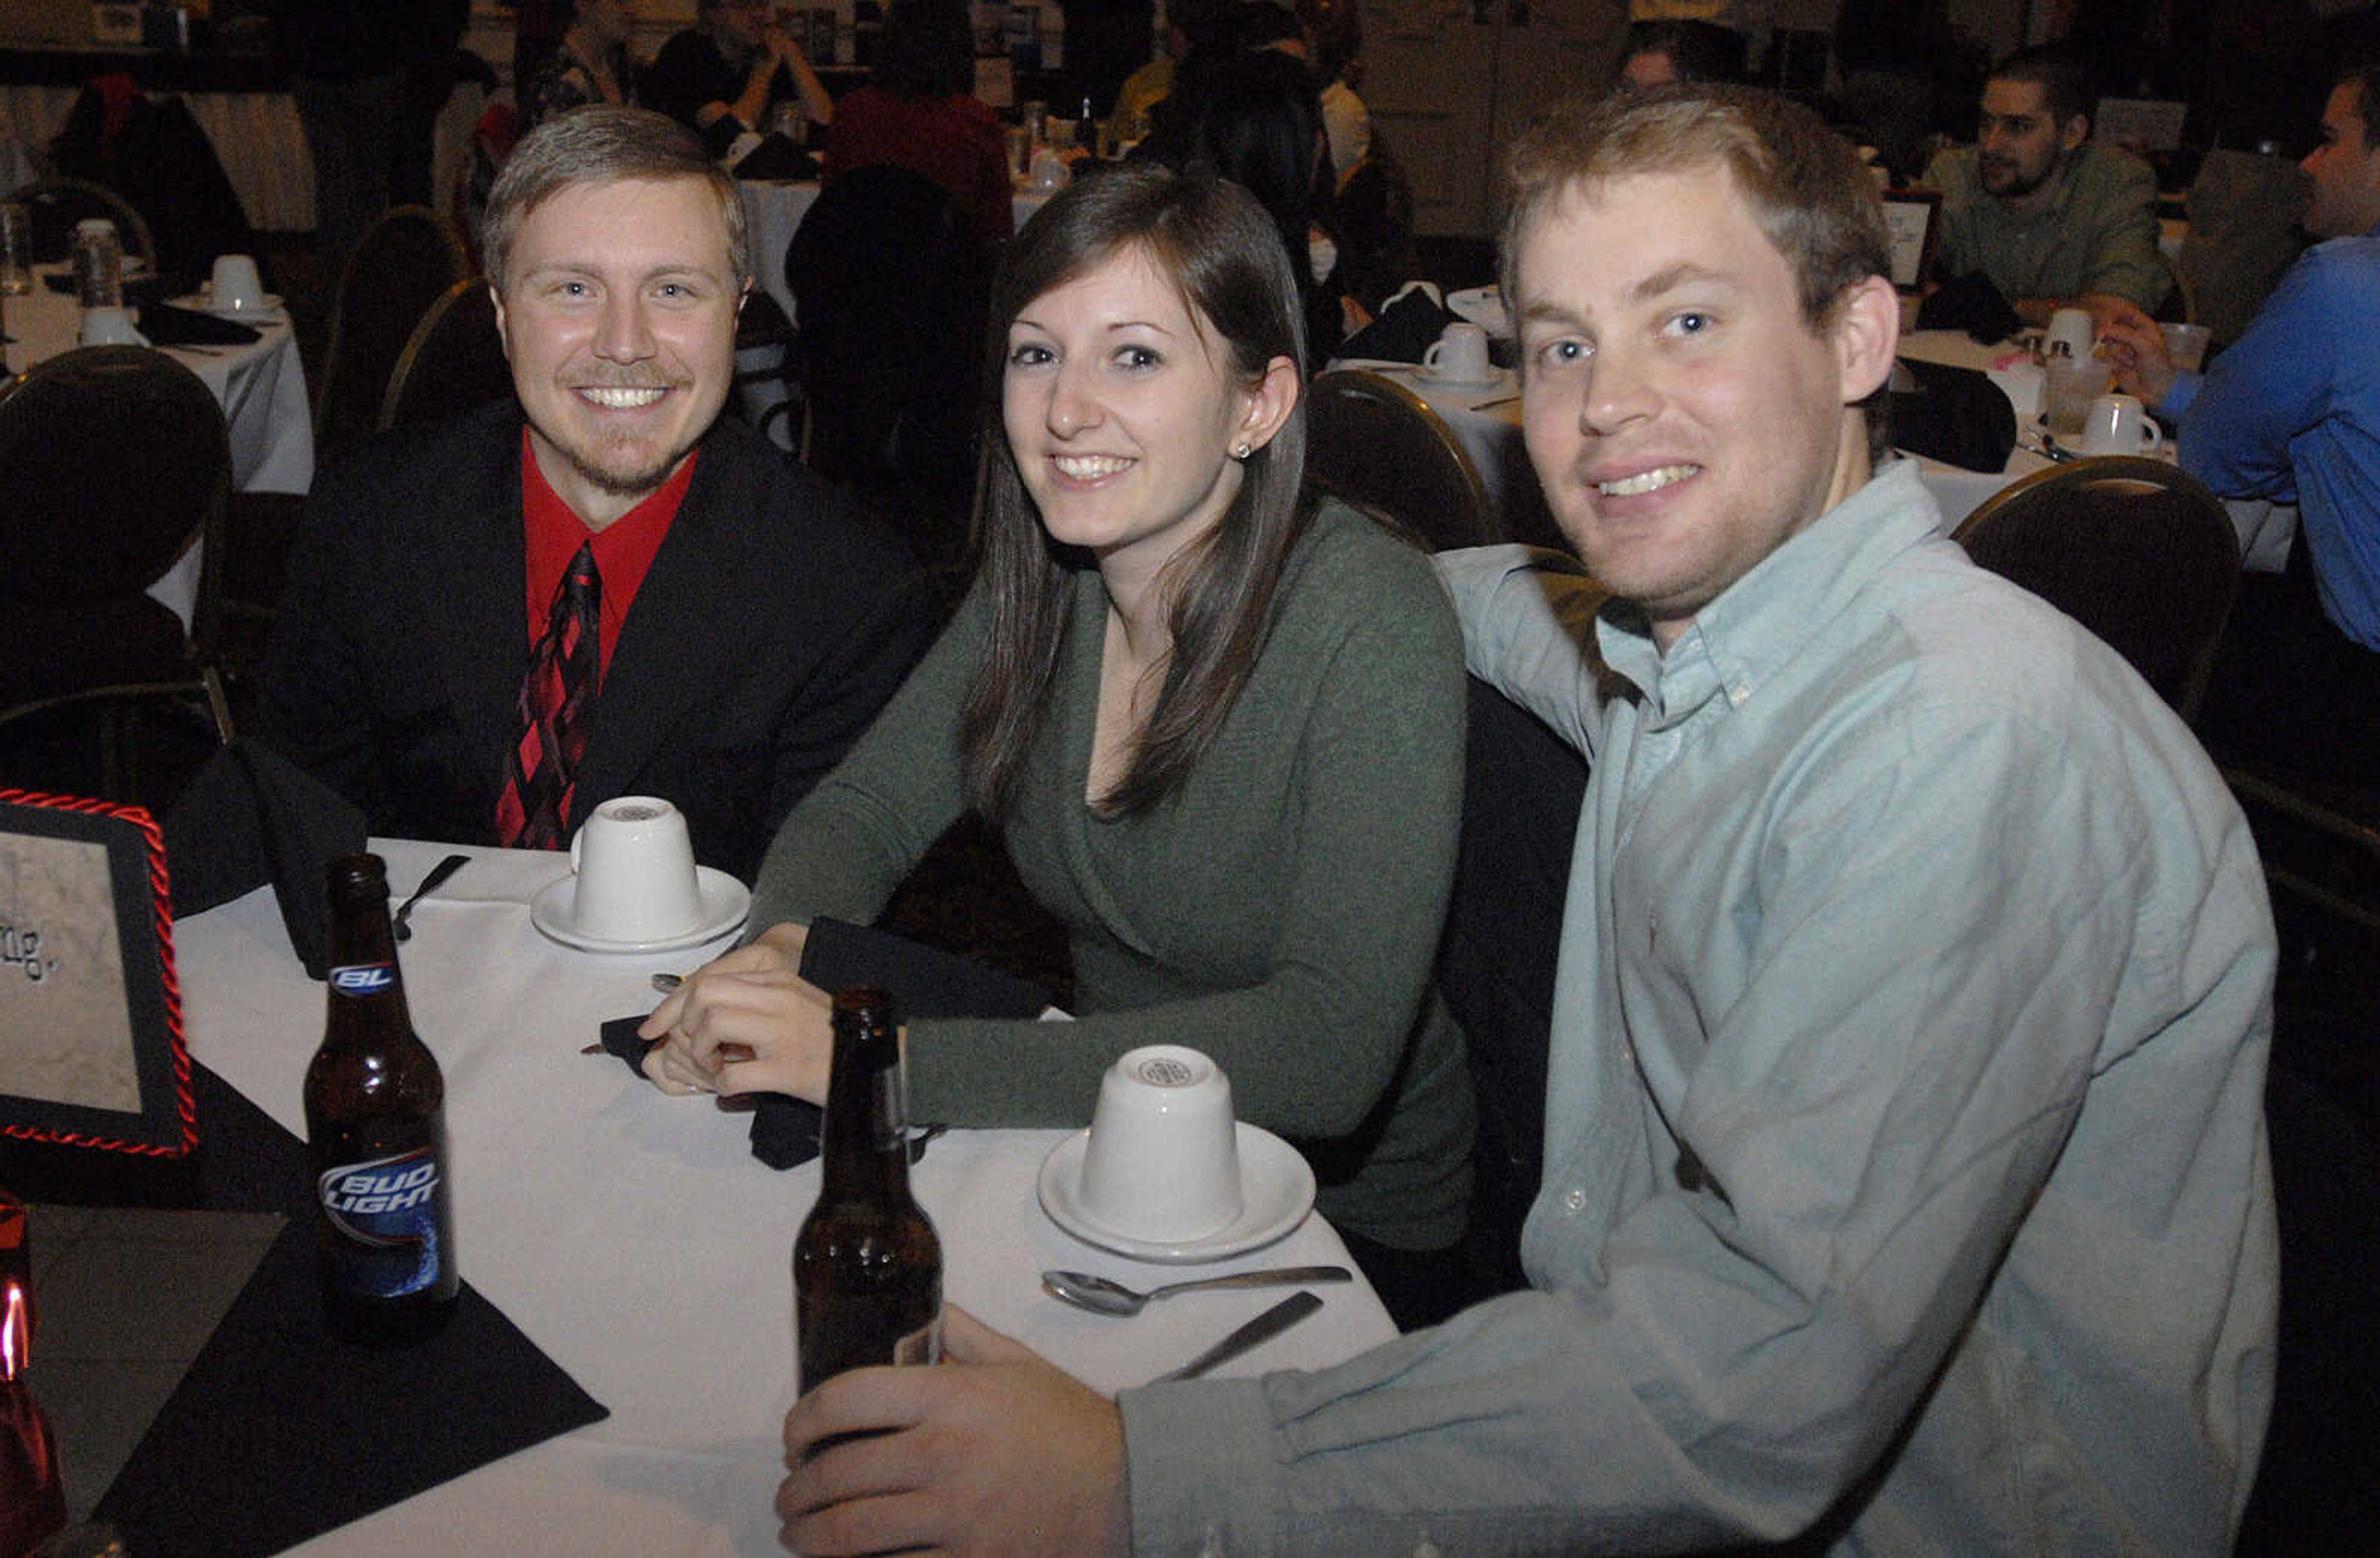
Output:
[[1575, 1198]]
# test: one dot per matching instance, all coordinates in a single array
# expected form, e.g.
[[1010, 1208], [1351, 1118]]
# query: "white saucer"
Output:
[[1443, 380], [725, 900], [1276, 1192], [266, 312]]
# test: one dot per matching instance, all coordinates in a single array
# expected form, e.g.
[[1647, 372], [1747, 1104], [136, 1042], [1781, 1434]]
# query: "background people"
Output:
[[723, 75], [2048, 215]]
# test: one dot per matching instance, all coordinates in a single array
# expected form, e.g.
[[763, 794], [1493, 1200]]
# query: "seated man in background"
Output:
[[605, 587], [1659, 54], [2292, 413], [1905, 1173], [2051, 217], [723, 75]]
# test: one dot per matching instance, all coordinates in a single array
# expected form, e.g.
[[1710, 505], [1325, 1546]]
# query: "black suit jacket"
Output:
[[776, 620]]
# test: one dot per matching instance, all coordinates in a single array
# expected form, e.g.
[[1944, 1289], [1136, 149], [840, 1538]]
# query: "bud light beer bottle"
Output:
[[867, 1269], [376, 1135]]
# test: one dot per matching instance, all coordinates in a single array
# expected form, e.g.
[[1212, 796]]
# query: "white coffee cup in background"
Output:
[[1163, 1162], [2073, 327], [635, 877], [235, 285], [2119, 424], [1458, 355], [111, 326]]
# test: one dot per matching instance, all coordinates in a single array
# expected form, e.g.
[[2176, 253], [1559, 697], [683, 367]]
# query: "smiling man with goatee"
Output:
[[603, 587]]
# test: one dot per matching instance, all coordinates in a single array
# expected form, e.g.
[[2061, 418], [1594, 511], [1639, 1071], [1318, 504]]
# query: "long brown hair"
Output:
[[1218, 247]]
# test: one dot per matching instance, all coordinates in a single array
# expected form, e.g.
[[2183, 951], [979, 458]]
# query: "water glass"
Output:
[[15, 249]]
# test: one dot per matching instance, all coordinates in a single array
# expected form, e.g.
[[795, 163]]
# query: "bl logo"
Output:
[[362, 979]]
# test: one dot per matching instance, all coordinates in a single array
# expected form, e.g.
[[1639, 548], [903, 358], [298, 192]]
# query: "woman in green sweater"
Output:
[[1221, 731]]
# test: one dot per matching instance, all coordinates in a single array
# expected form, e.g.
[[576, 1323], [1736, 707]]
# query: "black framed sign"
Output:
[[91, 1013], [1915, 218]]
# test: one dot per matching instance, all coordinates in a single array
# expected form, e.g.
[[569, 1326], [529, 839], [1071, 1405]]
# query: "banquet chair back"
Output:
[[58, 203], [2134, 549], [454, 361], [890, 285], [113, 460], [1373, 442], [406, 260]]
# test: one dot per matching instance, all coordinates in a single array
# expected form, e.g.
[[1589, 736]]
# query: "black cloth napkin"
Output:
[[926, 982], [1955, 414], [1402, 331], [154, 288], [278, 1432], [1972, 304], [777, 160], [167, 325], [251, 817]]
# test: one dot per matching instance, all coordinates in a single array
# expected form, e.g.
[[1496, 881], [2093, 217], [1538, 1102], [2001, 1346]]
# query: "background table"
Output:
[[636, 1240], [261, 387]]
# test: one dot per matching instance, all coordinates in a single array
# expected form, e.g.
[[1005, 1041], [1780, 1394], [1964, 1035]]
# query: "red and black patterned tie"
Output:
[[557, 710]]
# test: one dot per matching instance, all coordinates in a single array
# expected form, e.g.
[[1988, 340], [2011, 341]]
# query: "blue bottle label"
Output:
[[383, 1216]]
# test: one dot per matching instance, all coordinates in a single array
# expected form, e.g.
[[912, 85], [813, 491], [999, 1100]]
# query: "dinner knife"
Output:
[[1262, 1329]]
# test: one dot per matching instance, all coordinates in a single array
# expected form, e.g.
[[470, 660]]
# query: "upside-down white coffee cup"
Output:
[[235, 285], [635, 868], [1163, 1163], [1459, 356]]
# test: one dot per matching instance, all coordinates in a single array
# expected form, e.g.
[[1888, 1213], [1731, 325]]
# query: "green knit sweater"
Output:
[[1279, 913]]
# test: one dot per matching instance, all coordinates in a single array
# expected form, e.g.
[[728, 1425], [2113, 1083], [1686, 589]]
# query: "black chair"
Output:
[[1375, 442], [453, 362], [2135, 550], [890, 285], [113, 460], [56, 204], [153, 153], [1522, 787], [406, 260]]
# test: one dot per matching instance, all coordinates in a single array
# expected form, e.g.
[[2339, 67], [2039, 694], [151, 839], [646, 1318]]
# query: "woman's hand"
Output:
[[745, 1022]]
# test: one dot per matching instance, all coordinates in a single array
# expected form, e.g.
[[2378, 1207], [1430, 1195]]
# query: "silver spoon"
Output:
[[438, 874], [1104, 1297]]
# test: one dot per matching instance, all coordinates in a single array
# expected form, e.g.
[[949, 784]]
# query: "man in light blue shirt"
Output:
[[2292, 413], [1905, 1185]]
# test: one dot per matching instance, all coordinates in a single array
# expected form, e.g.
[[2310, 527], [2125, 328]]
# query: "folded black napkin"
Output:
[[1972, 304], [167, 325], [926, 981], [251, 817], [278, 1432], [146, 288], [1955, 414], [777, 160], [1403, 329]]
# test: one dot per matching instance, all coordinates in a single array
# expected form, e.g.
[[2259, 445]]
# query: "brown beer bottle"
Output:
[[867, 1269], [376, 1135]]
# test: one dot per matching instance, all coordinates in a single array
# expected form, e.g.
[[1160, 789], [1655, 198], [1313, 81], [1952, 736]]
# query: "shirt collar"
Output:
[[1760, 623]]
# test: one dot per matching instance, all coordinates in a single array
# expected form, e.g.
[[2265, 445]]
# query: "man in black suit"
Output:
[[604, 588]]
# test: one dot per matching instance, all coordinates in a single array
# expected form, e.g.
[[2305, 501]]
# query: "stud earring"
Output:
[[1243, 452]]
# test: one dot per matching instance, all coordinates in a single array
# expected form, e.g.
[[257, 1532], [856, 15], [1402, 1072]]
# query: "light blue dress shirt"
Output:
[[1905, 1168]]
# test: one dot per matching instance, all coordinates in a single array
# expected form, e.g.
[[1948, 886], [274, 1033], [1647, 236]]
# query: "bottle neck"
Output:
[[864, 1145], [365, 982]]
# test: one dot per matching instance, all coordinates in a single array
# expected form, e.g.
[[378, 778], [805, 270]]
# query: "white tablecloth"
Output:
[[256, 136], [634, 1237], [774, 210]]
